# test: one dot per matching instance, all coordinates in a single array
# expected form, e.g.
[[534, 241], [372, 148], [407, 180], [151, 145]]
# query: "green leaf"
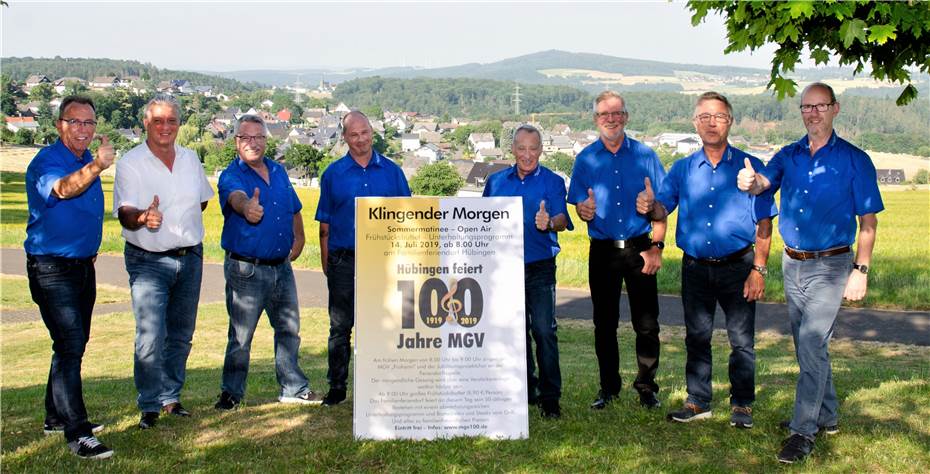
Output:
[[820, 56], [799, 8], [852, 30], [783, 86], [907, 95], [881, 33]]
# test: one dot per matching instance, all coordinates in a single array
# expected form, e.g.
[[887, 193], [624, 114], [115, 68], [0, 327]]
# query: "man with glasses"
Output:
[[825, 183], [361, 172], [159, 194], [606, 179], [717, 226], [544, 215], [263, 233], [63, 234]]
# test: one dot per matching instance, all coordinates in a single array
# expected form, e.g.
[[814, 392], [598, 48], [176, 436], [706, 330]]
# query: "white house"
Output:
[[409, 142], [14, 124], [429, 151], [481, 141], [488, 154]]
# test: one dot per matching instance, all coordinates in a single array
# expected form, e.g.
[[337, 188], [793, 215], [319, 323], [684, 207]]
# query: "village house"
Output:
[[481, 141], [409, 142]]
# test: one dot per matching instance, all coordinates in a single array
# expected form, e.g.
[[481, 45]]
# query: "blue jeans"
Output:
[[250, 289], [539, 278], [703, 286], [165, 292], [340, 281], [65, 290], [814, 291]]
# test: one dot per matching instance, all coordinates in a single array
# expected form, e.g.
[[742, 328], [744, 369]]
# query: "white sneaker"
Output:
[[309, 398]]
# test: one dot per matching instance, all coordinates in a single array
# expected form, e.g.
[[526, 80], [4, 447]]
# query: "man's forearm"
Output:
[[130, 217], [763, 242], [868, 226], [658, 229], [76, 183]]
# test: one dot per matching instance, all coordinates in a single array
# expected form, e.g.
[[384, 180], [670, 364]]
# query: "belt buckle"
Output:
[[182, 252], [620, 244]]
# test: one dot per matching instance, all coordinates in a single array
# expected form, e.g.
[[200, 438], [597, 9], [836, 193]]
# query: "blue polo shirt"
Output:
[[69, 228], [821, 195], [541, 184], [273, 236], [715, 218], [616, 179], [345, 180]]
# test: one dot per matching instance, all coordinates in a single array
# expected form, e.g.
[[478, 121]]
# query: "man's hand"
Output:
[[587, 208], [152, 216], [105, 153], [856, 286], [746, 178], [253, 209], [542, 217], [646, 199], [652, 260], [754, 288]]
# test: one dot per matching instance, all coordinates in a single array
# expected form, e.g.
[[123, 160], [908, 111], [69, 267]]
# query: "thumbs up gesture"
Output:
[[646, 199], [746, 178], [152, 216], [587, 208], [253, 209], [105, 153], [542, 217]]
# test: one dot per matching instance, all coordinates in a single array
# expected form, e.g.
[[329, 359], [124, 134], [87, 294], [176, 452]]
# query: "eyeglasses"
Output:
[[613, 115], [716, 118], [256, 138], [80, 123], [808, 108]]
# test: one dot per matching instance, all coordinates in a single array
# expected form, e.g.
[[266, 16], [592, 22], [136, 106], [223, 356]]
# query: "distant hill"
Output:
[[87, 68]]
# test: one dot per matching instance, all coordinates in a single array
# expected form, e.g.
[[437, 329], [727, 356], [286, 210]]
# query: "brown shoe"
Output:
[[175, 409]]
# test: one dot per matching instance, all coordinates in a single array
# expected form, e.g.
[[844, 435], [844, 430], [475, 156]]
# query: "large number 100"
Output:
[[433, 312]]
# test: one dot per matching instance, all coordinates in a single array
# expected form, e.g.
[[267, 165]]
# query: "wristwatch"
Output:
[[862, 268], [762, 269], [659, 244]]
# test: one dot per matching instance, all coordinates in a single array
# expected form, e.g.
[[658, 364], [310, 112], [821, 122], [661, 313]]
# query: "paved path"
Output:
[[907, 327]]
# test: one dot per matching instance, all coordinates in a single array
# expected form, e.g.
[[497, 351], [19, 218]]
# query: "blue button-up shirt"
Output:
[[821, 195], [273, 236], [715, 218], [539, 185], [345, 180], [616, 179], [71, 228]]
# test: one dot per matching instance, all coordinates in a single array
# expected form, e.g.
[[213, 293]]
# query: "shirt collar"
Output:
[[375, 159], [243, 166], [625, 144], [65, 151], [806, 141], [727, 157], [514, 172]]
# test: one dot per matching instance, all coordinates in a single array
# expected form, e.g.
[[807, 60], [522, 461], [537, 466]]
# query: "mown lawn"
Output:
[[884, 390], [900, 275]]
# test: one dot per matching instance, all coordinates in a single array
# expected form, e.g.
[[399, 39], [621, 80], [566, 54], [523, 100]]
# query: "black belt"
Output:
[[178, 252], [640, 242], [342, 253], [257, 261], [802, 255], [56, 259], [733, 257]]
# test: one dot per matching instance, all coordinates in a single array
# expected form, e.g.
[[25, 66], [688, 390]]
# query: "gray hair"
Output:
[[250, 118], [163, 99], [528, 129], [821, 85], [607, 94]]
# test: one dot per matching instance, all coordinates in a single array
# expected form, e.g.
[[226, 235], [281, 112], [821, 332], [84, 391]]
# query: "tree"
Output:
[[559, 161], [9, 93], [921, 177], [42, 92], [303, 157], [23, 137], [890, 36], [74, 88], [221, 157], [437, 179]]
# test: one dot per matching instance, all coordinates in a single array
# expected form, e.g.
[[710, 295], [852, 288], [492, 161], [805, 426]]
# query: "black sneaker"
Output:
[[148, 420], [603, 399], [690, 412], [59, 428], [226, 402], [176, 409], [550, 409], [335, 396], [795, 448], [830, 430], [309, 398], [648, 399], [89, 447], [741, 417]]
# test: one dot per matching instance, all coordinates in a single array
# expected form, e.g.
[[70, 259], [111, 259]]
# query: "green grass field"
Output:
[[900, 276], [884, 389], [15, 294]]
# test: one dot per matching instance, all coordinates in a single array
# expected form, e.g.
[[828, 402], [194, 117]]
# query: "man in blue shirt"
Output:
[[544, 215], [825, 183], [263, 232], [717, 226], [361, 172], [606, 179], [63, 234]]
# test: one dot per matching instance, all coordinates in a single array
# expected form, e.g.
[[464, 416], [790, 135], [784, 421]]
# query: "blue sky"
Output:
[[230, 35]]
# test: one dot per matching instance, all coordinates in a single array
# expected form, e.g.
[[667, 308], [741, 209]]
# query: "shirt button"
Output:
[[618, 187], [618, 203], [710, 206], [708, 224], [805, 191], [366, 185], [711, 188], [796, 228], [810, 173], [802, 210], [708, 242]]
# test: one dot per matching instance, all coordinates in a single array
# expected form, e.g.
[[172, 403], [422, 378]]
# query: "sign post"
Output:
[[439, 318]]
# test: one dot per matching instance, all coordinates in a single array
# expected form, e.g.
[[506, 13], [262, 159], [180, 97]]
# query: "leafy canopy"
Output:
[[889, 37], [437, 179]]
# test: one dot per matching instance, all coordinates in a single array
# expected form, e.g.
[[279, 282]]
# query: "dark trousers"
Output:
[[703, 286], [608, 268], [65, 290], [541, 325], [340, 280]]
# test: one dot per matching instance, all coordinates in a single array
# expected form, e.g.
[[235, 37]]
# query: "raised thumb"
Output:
[[155, 202], [748, 164], [256, 193]]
